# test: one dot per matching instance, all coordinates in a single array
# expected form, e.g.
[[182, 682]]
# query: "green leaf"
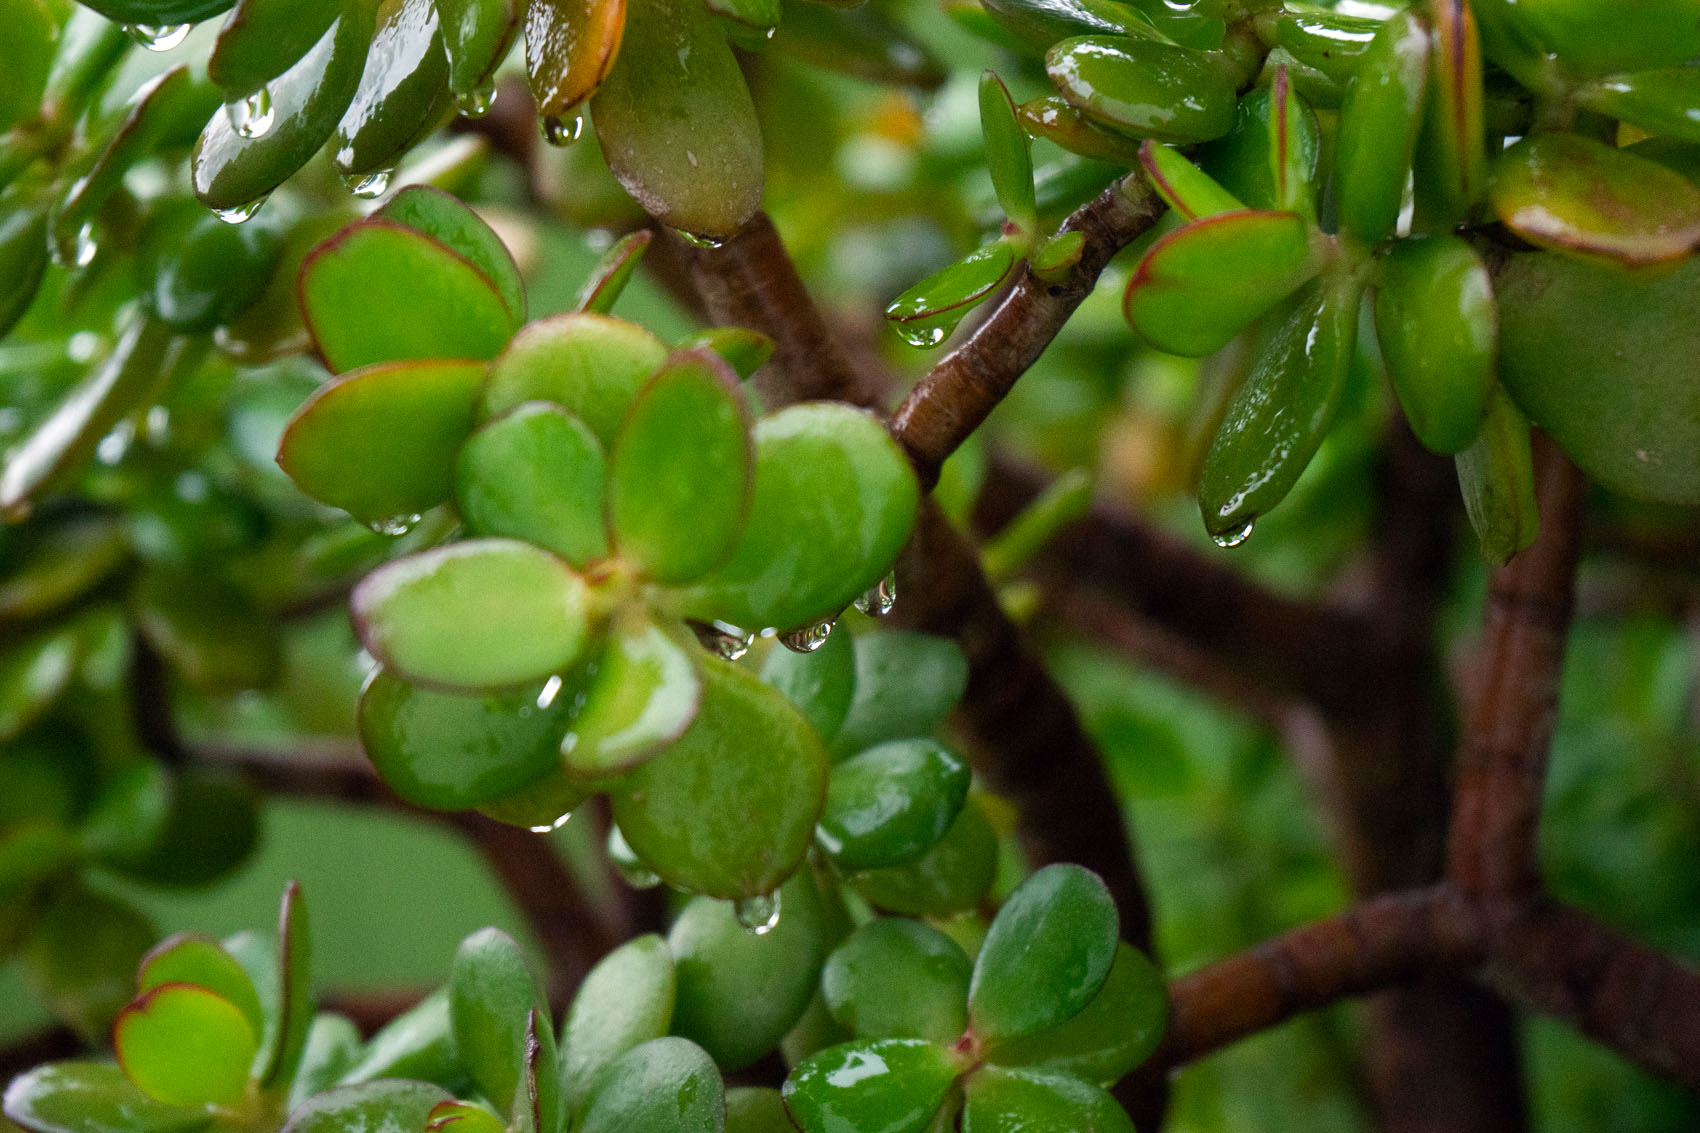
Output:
[[204, 822], [926, 313], [186, 959], [1496, 477], [491, 992], [746, 351], [644, 694], [332, 1049], [32, 33], [435, 304], [80, 957], [58, 561], [537, 474], [23, 246], [198, 272], [1053, 118], [451, 223], [1269, 159], [33, 673], [756, 1109], [1278, 417], [296, 1004], [1379, 122], [462, 1117], [755, 15], [1451, 155], [261, 39], [371, 1107], [896, 978], [1001, 1101], [159, 13], [1009, 154], [450, 751], [541, 805], [952, 876], [1600, 36], [93, 1097], [418, 1043], [379, 442], [185, 1045], [570, 46], [1111, 1035], [1047, 954], [537, 1106], [1438, 328], [833, 504], [739, 992], [676, 121], [820, 683], [208, 630], [679, 475], [1043, 22], [1143, 88], [627, 999], [1200, 285], [729, 809], [477, 614], [1575, 195], [591, 365], [608, 278], [667, 1085], [1326, 40], [1187, 189], [1660, 102], [476, 38], [893, 1085], [891, 803]]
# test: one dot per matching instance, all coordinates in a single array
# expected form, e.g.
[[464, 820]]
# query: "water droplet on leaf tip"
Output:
[[158, 37], [369, 186], [728, 642], [880, 598], [394, 525], [562, 131], [81, 250], [476, 103], [251, 117], [759, 915], [1233, 536], [809, 638], [921, 334], [240, 213], [698, 240]]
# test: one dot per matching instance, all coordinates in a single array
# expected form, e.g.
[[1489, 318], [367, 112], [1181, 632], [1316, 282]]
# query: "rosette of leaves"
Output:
[[1052, 1009], [609, 489]]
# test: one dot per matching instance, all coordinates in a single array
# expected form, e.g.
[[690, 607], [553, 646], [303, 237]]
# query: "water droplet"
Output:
[[879, 600], [551, 687], [768, 34], [698, 240], [921, 334], [369, 186], [83, 247], [239, 213], [562, 131], [728, 641], [547, 827], [476, 103], [394, 525], [251, 117], [160, 37], [1233, 536], [809, 638], [758, 915]]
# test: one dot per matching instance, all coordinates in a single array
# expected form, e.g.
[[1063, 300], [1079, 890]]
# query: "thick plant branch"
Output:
[[1502, 761], [966, 385]]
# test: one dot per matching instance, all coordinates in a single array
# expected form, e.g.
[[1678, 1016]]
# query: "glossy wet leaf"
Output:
[[476, 614], [1575, 195], [820, 684], [1116, 1031], [570, 46], [1269, 159], [1451, 155], [679, 475], [476, 37], [608, 278], [93, 1097], [667, 1085], [1379, 122], [729, 809], [897, 978], [1665, 102], [1438, 328], [676, 121], [197, 960], [418, 1043], [1280, 414], [34, 671], [833, 503], [544, 802], [1600, 36], [198, 272], [451, 223], [926, 313], [261, 39], [1047, 954], [893, 1085], [756, 15], [1032, 1101], [80, 955], [23, 249], [536, 474], [1053, 118], [185, 1045], [591, 365], [1040, 23], [435, 304], [380, 441], [1496, 478], [643, 695], [1144, 88], [627, 999], [1009, 155], [887, 805], [159, 13], [491, 992], [402, 93], [745, 350], [862, 41], [1603, 363], [371, 1107], [451, 751], [32, 33], [756, 1109], [307, 101], [952, 876], [1183, 186], [1332, 42], [1200, 285]]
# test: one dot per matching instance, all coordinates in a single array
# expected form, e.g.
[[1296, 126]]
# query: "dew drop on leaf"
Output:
[[251, 117], [160, 37], [921, 334], [1234, 536], [880, 598], [476, 103], [369, 186], [562, 131], [728, 642], [809, 638], [759, 915], [394, 525], [697, 239], [239, 213]]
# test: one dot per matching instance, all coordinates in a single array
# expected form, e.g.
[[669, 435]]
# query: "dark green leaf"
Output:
[[537, 474], [893, 1085], [1378, 129], [372, 1107], [952, 876], [476, 38], [820, 683], [667, 1085], [1111, 1035], [891, 803], [896, 978], [80, 957], [262, 39], [1002, 1101], [1144, 88], [626, 1000]]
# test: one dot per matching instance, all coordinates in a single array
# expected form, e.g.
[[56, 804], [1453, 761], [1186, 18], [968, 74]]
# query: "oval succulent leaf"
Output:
[[1575, 195], [389, 1104], [1613, 35], [644, 694], [76, 1097], [1143, 88], [626, 1000], [462, 1117], [1009, 154], [447, 220], [894, 1085], [756, 1109], [667, 1085], [608, 279], [536, 474], [478, 614], [999, 1099], [262, 39], [745, 350], [199, 273], [476, 37], [820, 684], [897, 978], [1053, 118], [926, 313], [159, 13], [1665, 102], [891, 803], [1325, 40], [197, 960], [293, 1018], [1451, 155], [952, 876], [1200, 285], [492, 993], [1269, 159], [1496, 477], [1379, 123], [380, 441], [570, 46], [1111, 1035], [1187, 189], [418, 1044], [402, 93], [1041, 23], [186, 1045], [23, 252], [591, 365]]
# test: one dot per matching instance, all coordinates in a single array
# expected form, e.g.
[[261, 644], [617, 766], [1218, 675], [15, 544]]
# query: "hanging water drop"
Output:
[[880, 598], [562, 131], [759, 915], [82, 250], [394, 525], [476, 103], [369, 186], [158, 37], [726, 641], [251, 117], [698, 240], [240, 213], [809, 638], [921, 334], [1233, 536], [548, 827]]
